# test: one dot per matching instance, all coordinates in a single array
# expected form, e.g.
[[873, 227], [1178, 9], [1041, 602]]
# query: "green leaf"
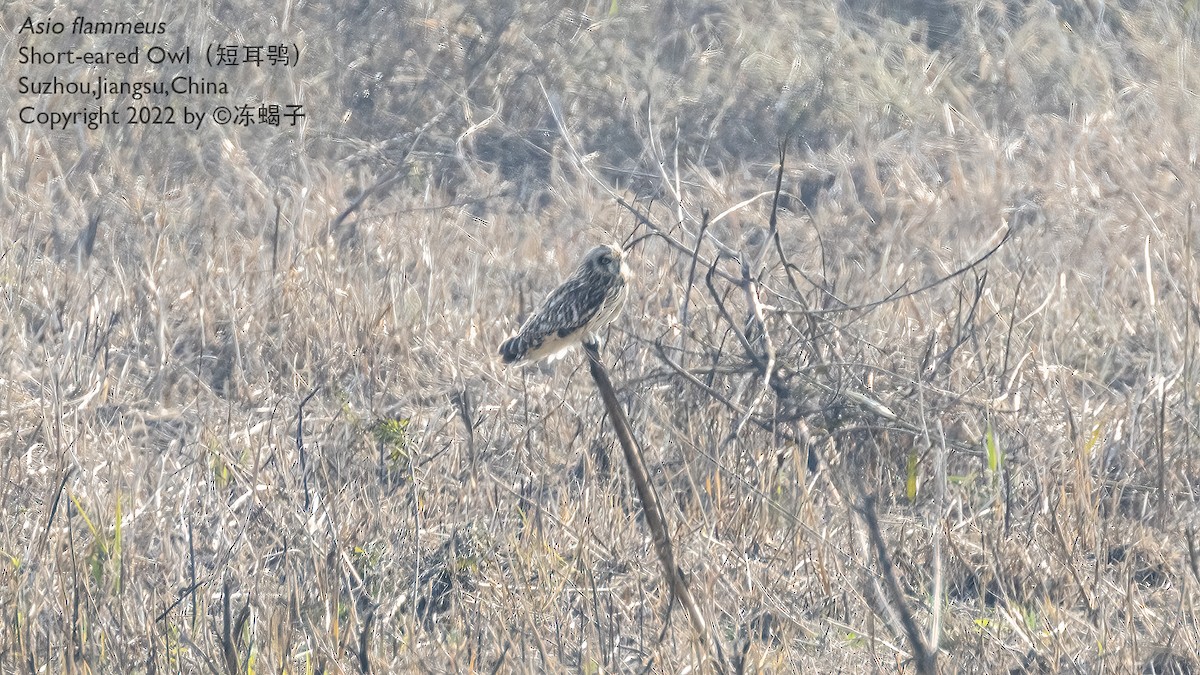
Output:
[[115, 554], [994, 457], [1093, 439], [910, 484]]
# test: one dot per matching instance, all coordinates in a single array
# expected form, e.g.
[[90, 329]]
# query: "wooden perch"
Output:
[[654, 514]]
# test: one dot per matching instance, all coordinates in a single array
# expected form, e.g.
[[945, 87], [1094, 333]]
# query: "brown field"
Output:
[[252, 418]]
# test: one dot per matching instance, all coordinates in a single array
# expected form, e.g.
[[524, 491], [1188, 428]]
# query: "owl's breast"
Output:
[[614, 301]]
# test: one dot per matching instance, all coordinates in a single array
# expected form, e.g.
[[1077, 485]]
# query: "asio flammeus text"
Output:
[[583, 304]]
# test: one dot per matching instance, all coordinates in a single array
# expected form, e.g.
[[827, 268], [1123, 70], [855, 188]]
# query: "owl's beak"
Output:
[[624, 270]]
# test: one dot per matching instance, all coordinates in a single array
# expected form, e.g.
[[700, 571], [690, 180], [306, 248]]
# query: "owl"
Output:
[[583, 304]]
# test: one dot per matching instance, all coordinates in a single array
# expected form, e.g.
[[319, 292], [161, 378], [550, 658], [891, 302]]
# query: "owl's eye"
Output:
[[605, 260]]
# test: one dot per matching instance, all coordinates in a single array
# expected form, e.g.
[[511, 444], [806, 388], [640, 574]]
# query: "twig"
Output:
[[774, 222], [687, 293], [556, 113], [898, 295], [1193, 552], [364, 640], [935, 630], [768, 369], [390, 177], [1164, 500], [737, 332], [62, 484], [657, 231], [228, 653], [300, 445]]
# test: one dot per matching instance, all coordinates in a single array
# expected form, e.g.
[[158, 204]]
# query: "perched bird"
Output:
[[575, 311]]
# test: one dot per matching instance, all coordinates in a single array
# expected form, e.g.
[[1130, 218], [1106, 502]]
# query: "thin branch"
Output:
[[729, 318], [687, 293], [926, 661], [768, 369], [655, 519], [898, 295], [774, 222]]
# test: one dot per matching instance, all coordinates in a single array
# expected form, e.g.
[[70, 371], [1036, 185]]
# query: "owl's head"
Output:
[[607, 259]]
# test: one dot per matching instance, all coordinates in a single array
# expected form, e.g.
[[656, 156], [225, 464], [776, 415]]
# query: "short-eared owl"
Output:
[[583, 304]]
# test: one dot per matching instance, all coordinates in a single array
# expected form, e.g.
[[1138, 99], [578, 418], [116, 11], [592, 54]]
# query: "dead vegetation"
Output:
[[939, 392]]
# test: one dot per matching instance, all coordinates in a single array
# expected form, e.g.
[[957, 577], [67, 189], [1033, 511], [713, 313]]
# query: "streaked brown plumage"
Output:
[[587, 301]]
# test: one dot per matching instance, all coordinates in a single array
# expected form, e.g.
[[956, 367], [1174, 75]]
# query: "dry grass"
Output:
[[241, 435]]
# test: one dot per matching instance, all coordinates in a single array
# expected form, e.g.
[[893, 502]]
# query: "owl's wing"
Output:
[[566, 310], [569, 307]]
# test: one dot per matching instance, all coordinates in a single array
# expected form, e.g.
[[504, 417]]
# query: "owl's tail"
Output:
[[513, 349]]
